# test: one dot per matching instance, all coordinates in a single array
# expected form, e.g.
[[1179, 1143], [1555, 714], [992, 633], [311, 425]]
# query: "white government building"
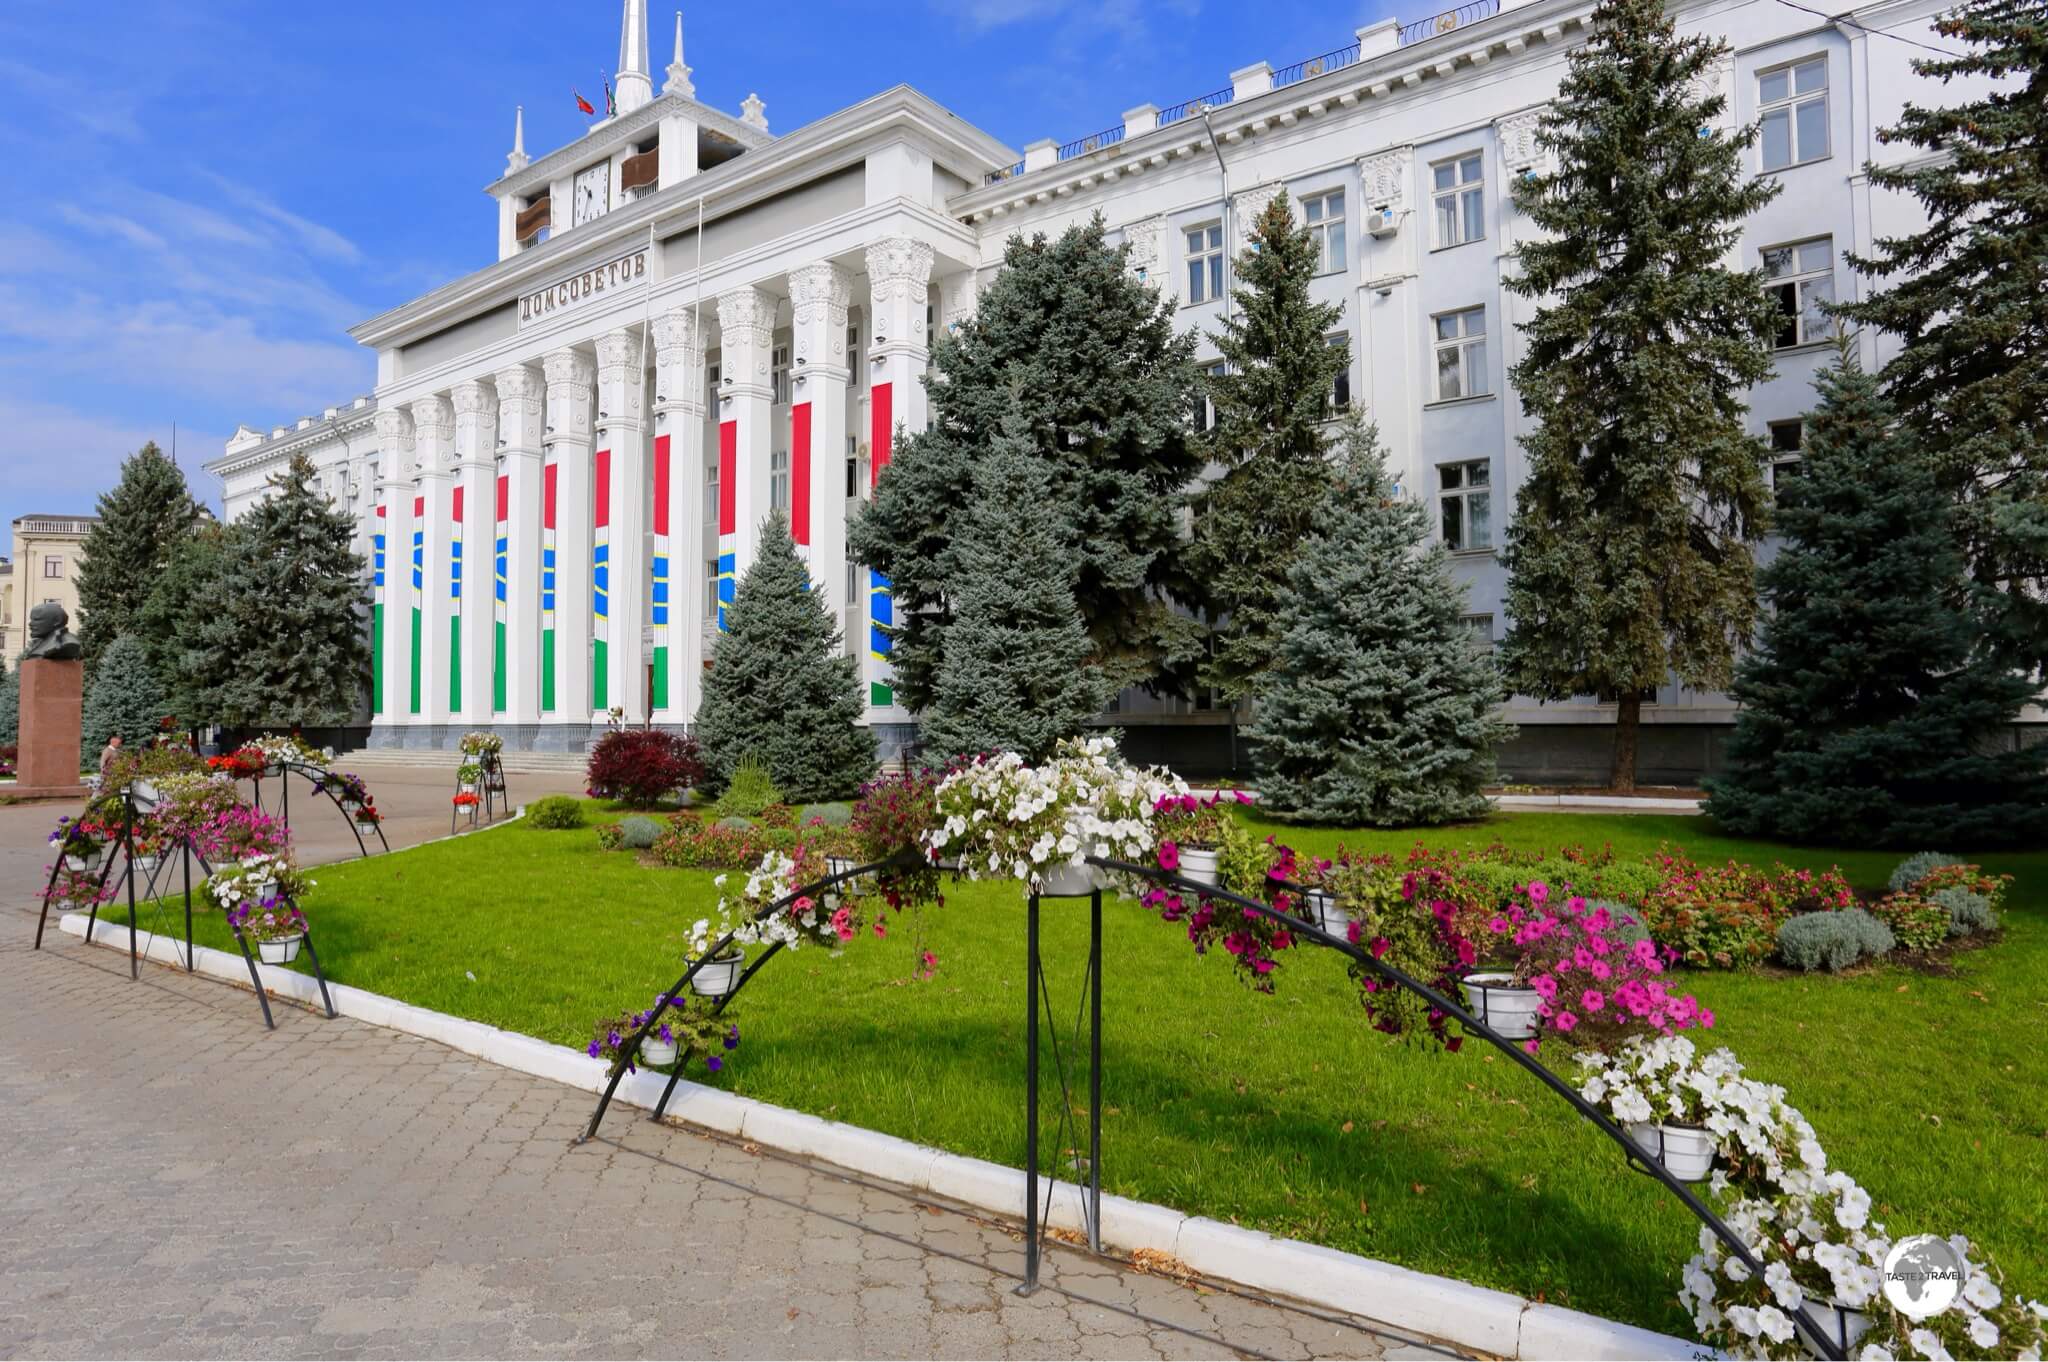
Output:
[[692, 320]]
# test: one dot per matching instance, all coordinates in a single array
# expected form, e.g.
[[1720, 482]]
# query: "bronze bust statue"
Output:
[[48, 637]]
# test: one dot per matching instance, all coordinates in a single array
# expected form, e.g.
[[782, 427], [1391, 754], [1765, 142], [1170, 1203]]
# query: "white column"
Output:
[[746, 321], [899, 284], [819, 295], [678, 515], [433, 421], [520, 393], [567, 451], [395, 596], [620, 678], [473, 597]]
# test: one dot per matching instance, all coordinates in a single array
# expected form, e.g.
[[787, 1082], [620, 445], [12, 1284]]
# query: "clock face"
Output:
[[593, 193]]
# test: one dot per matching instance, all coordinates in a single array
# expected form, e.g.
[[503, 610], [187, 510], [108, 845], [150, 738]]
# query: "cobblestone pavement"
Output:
[[180, 1182]]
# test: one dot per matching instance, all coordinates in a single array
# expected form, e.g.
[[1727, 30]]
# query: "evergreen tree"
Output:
[[1873, 714], [1016, 672], [124, 697], [1270, 438], [10, 703], [284, 641], [1968, 295], [170, 621], [1628, 558], [142, 521], [1088, 355], [1380, 708], [781, 690]]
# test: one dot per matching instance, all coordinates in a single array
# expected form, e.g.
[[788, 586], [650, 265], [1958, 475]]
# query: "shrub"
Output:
[[555, 811], [641, 766], [749, 792], [1968, 913], [639, 833], [1918, 924], [1914, 868], [836, 815], [1956, 875], [610, 836], [1628, 927], [1833, 941]]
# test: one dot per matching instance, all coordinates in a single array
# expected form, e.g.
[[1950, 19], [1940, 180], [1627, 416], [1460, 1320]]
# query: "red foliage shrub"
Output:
[[641, 765]]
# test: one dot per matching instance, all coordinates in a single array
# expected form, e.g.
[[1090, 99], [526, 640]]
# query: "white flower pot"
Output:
[[654, 1051], [282, 951], [1199, 864], [839, 865], [1509, 1010], [719, 976], [146, 795], [85, 864], [146, 864], [1328, 917], [1843, 1324], [1687, 1152], [1066, 881]]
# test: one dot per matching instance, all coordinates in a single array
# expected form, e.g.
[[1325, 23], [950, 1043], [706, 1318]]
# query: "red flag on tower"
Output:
[[582, 105]]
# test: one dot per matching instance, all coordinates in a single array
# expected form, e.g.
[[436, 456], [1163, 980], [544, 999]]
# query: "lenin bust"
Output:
[[48, 637]]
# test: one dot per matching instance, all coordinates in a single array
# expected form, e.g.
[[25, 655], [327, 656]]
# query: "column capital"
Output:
[[520, 394], [567, 367], [433, 423], [476, 422], [570, 374], [617, 351], [899, 262], [621, 380], [746, 317], [678, 363], [395, 440], [899, 278], [819, 297]]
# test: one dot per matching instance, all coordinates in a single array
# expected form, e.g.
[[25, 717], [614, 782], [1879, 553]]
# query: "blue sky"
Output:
[[206, 195]]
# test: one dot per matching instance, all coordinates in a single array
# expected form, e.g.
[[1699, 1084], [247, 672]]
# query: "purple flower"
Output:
[[714, 1063]]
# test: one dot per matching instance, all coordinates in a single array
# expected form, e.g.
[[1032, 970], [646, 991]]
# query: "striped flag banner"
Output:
[[547, 588], [378, 526], [881, 614], [658, 595], [728, 514], [601, 582], [499, 601], [455, 603], [419, 590]]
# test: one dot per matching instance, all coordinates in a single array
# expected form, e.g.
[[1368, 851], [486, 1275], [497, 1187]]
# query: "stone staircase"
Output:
[[385, 758]]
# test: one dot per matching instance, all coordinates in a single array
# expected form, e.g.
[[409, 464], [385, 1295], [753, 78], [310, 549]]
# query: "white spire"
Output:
[[678, 82], [633, 86], [518, 160]]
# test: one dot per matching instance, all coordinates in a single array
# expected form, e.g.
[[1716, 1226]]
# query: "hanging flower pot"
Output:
[[281, 951], [1844, 1325], [1066, 881], [654, 1050], [1687, 1152], [1327, 916], [85, 863], [1498, 1001], [843, 865], [147, 863], [1200, 864], [719, 975]]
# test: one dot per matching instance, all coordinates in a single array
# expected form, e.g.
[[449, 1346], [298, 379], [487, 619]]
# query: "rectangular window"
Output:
[[1787, 439], [711, 389], [1461, 354], [1340, 388], [711, 487], [778, 374], [1205, 262], [856, 362], [1792, 104], [1482, 630], [1465, 493], [1460, 190], [1802, 276], [710, 592], [1205, 406], [53, 566], [1325, 214], [778, 480]]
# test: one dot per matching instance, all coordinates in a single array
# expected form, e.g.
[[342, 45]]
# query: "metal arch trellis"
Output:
[[124, 845], [1830, 1346], [320, 778]]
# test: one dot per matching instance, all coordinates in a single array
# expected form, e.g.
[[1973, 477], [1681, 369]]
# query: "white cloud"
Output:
[[57, 459], [321, 240]]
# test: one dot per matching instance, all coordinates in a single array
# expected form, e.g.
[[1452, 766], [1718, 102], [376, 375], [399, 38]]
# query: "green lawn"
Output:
[[1286, 1113]]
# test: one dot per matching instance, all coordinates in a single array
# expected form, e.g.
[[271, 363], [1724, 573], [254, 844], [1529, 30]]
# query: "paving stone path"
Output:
[[180, 1182]]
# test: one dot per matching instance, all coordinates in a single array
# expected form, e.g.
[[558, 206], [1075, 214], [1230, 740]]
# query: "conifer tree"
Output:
[[172, 617], [1873, 714], [1070, 339], [1627, 556], [1968, 295], [1015, 673], [284, 643], [10, 703], [1270, 438], [1381, 708], [141, 522], [781, 690], [124, 697]]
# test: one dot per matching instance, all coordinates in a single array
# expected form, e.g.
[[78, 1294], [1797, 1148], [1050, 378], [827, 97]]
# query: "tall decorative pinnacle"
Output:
[[678, 82], [518, 160], [634, 86]]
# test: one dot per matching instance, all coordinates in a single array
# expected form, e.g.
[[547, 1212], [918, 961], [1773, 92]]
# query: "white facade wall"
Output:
[[830, 255]]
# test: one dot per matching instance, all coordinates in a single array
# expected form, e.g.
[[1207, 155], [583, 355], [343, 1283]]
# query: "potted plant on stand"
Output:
[[1191, 832], [82, 842], [260, 896], [688, 1026]]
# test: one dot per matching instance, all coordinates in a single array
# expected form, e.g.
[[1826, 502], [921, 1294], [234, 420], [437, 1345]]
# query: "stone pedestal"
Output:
[[52, 710]]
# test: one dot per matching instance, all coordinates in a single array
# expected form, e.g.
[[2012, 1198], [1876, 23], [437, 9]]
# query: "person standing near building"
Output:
[[107, 756]]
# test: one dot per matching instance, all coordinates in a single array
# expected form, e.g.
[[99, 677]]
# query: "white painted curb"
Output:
[[1470, 1316], [1597, 803]]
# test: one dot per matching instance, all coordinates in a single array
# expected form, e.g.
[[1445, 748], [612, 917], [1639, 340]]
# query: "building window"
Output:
[[1205, 263], [1466, 493], [1460, 188], [1461, 354], [711, 591], [778, 374], [1205, 404], [53, 566], [711, 389], [1802, 276], [1326, 223], [711, 489], [1482, 630], [856, 363], [1792, 102], [778, 481], [1340, 387], [1788, 438]]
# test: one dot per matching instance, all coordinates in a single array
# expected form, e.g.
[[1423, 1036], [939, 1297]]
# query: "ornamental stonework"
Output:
[[1245, 208], [819, 296], [1383, 179], [1519, 151], [1146, 238]]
